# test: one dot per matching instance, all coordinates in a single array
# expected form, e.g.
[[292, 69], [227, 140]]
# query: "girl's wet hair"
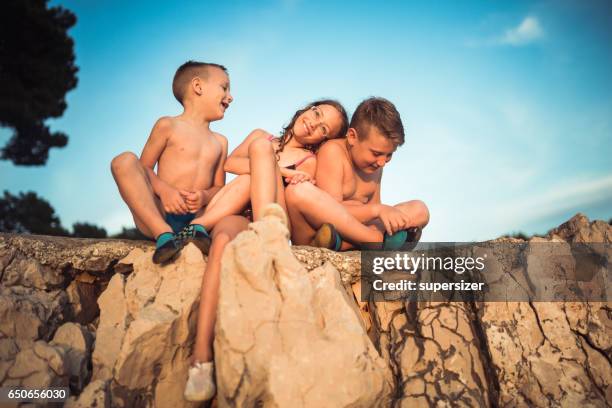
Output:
[[287, 132]]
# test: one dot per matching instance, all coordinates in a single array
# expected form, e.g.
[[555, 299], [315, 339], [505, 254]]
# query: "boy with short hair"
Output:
[[345, 205], [189, 157]]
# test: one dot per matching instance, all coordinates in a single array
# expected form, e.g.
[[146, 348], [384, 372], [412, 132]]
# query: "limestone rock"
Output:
[[544, 355], [27, 314], [94, 395], [146, 329], [434, 352], [64, 254], [348, 264], [76, 342], [501, 354], [580, 230], [291, 329], [111, 328], [82, 301], [288, 337], [39, 366], [30, 273]]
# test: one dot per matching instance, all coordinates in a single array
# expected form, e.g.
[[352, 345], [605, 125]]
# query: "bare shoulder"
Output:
[[258, 133], [220, 138], [331, 149], [165, 123], [162, 130]]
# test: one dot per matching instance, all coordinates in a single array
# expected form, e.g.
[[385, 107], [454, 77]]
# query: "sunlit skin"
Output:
[[316, 125], [347, 195], [256, 154], [189, 157], [371, 154], [190, 160], [259, 181]]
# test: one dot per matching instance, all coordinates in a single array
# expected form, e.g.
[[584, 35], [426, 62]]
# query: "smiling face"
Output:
[[371, 152], [317, 124], [215, 91]]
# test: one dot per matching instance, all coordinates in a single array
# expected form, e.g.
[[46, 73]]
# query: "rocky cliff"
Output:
[[99, 317]]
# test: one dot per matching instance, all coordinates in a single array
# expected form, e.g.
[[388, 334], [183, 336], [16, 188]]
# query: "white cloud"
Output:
[[525, 33]]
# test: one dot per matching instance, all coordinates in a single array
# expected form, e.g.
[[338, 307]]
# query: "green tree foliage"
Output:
[[86, 230], [130, 233], [28, 213], [36, 71]]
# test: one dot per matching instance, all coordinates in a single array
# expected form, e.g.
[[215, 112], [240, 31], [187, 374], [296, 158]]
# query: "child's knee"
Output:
[[221, 239], [421, 212], [424, 212], [261, 147], [123, 161], [228, 227]]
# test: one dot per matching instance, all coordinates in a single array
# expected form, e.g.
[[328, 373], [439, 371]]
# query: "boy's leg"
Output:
[[230, 200], [137, 191], [223, 233], [418, 215], [310, 207], [416, 210]]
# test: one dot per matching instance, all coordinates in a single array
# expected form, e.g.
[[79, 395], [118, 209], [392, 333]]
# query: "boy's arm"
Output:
[[238, 161], [219, 178], [392, 218], [152, 150]]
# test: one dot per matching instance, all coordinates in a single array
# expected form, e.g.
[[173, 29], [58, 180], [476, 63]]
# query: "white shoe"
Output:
[[201, 382]]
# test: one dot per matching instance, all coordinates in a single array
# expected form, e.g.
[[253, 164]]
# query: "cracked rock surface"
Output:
[[289, 337], [47, 288], [145, 334], [542, 354], [99, 317]]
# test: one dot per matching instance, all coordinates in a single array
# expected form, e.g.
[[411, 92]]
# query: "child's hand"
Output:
[[194, 199], [173, 202], [393, 219], [298, 177]]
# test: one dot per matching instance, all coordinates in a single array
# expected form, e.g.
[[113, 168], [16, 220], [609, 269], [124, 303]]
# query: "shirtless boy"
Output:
[[189, 157], [344, 209]]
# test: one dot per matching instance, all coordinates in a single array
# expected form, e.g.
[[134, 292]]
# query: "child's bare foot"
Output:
[[327, 237], [201, 382]]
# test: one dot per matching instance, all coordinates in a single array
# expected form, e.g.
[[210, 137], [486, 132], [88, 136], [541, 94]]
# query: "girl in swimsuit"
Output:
[[265, 164], [262, 162]]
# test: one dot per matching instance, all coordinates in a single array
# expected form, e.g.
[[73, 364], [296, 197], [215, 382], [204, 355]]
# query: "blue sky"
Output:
[[507, 105]]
